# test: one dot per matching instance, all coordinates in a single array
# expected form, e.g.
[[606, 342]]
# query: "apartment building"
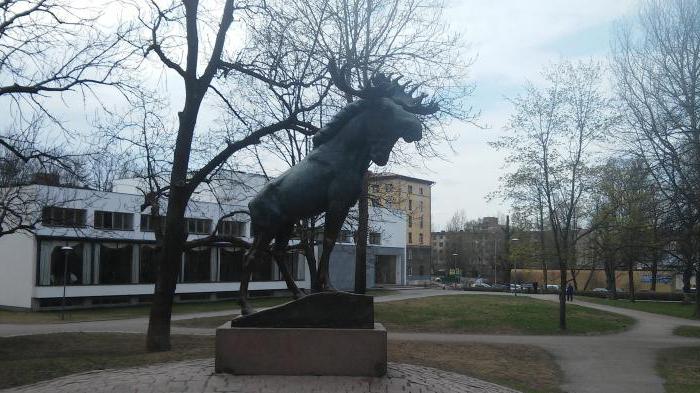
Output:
[[412, 196]]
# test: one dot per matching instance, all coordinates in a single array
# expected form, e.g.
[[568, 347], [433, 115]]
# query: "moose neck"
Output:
[[352, 144]]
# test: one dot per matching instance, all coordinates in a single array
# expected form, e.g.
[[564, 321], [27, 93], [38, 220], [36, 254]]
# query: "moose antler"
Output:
[[381, 85]]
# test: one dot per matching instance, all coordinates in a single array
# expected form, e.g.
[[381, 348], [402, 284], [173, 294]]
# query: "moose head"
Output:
[[391, 110]]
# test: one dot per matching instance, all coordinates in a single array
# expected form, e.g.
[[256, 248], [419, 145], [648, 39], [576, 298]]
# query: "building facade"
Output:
[[99, 247], [411, 196], [477, 251]]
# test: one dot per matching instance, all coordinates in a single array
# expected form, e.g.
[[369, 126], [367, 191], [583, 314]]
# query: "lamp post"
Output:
[[454, 263], [66, 250], [515, 269]]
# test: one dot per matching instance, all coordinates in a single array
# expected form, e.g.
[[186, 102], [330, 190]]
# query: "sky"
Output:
[[512, 40]]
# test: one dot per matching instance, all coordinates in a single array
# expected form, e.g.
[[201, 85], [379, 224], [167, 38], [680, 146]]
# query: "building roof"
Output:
[[389, 175]]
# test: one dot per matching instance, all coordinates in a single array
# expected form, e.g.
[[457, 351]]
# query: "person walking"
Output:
[[570, 293]]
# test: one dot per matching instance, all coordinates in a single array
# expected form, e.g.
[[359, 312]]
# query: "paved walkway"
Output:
[[198, 376], [622, 362]]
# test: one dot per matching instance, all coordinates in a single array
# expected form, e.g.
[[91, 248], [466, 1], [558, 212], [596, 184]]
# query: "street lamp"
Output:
[[515, 269], [454, 262], [66, 250]]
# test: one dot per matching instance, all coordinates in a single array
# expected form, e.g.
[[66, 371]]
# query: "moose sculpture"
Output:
[[329, 179]]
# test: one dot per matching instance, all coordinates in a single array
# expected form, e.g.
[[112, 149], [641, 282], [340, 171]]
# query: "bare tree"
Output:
[[657, 68], [181, 30], [554, 131], [50, 48]]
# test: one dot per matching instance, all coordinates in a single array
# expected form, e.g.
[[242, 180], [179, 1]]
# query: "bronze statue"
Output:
[[329, 179]]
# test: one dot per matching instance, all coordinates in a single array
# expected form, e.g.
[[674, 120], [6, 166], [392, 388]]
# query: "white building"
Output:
[[112, 256]]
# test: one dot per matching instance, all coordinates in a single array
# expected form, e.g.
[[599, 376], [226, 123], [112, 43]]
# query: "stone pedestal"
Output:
[[301, 351]]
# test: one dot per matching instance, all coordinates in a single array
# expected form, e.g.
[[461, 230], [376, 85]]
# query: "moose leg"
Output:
[[259, 247], [279, 253], [335, 216]]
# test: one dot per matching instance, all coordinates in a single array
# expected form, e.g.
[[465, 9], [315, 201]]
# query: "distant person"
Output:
[[534, 286], [570, 293]]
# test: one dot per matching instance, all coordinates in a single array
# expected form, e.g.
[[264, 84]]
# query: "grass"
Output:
[[522, 367], [126, 312], [214, 322], [680, 367], [674, 309], [493, 315], [30, 359], [96, 314], [475, 314], [687, 331]]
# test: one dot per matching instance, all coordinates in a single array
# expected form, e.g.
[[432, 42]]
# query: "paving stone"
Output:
[[198, 376]]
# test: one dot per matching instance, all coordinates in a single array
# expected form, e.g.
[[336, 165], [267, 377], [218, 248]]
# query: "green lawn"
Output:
[[680, 367], [687, 331], [475, 314], [29, 359], [109, 313], [674, 309], [494, 315]]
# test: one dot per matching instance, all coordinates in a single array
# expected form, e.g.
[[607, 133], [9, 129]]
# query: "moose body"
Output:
[[329, 179]]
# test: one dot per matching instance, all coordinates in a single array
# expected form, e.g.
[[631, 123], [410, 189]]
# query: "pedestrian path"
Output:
[[198, 376], [621, 362]]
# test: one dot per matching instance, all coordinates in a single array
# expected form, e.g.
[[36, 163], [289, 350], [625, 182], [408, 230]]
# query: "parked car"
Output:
[[499, 286], [600, 290], [552, 287], [481, 285], [516, 287]]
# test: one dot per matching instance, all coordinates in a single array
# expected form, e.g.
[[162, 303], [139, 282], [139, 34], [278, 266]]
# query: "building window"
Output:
[[232, 228], [410, 221], [198, 226], [114, 220], [148, 223], [294, 267], [420, 238], [410, 237], [346, 236], [230, 264], [375, 238], [73, 272], [52, 216], [115, 264], [148, 259], [420, 204], [421, 221], [197, 265], [410, 204], [421, 190], [410, 189]]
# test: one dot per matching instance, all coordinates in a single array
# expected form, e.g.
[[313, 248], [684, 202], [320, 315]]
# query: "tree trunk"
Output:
[[169, 263], [361, 239], [174, 237], [543, 255], [562, 298], [654, 272], [630, 278], [697, 294]]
